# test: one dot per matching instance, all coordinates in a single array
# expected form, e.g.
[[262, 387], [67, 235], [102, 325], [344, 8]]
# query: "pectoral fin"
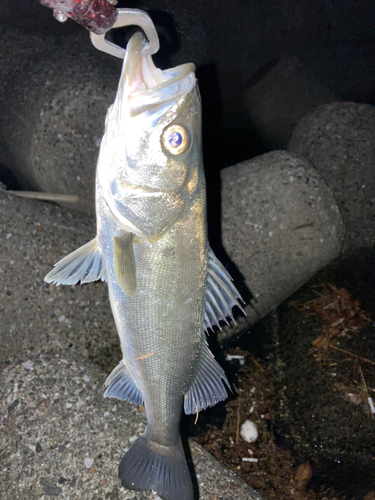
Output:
[[207, 387], [124, 263], [85, 264], [221, 294]]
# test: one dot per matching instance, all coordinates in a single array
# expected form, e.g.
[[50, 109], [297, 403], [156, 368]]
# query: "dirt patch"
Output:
[[308, 382], [268, 468]]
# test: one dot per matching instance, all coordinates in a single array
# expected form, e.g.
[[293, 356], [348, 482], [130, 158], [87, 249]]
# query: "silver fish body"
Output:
[[166, 287], [161, 339]]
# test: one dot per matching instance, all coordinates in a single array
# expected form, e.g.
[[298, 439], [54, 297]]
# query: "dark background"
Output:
[[235, 44]]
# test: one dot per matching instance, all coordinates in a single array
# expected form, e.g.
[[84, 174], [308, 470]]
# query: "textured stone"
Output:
[[272, 230], [35, 316], [55, 112], [280, 225], [338, 139], [279, 95], [83, 436], [339, 52]]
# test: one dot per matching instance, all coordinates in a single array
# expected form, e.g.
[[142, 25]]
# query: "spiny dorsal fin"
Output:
[[124, 263], [120, 385], [86, 264], [221, 294], [207, 387]]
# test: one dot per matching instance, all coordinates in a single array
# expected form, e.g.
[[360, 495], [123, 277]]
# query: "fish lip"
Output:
[[143, 86], [130, 79]]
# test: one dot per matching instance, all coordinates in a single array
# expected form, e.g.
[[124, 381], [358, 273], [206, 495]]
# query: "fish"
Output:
[[166, 286]]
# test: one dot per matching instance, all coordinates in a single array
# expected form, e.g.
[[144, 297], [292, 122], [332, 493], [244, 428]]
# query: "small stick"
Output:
[[369, 400], [146, 356], [238, 422], [351, 354], [196, 409], [36, 195]]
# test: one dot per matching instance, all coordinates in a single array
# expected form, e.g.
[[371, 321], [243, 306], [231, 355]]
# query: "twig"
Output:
[[146, 355], [369, 400], [351, 354], [36, 195], [197, 412], [238, 422]]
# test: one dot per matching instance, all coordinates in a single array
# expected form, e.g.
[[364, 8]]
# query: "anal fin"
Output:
[[124, 263], [120, 385], [86, 264], [207, 387]]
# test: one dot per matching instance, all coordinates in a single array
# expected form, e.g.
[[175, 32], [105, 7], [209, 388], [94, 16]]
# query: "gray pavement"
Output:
[[59, 438], [37, 317]]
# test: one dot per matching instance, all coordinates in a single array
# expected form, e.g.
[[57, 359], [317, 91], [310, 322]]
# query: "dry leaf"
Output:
[[303, 475], [322, 342]]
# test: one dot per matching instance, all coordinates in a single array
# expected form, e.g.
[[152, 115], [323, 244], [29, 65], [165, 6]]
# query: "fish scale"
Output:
[[162, 284], [166, 286]]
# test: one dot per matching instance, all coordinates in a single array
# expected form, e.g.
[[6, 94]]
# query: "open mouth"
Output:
[[145, 86]]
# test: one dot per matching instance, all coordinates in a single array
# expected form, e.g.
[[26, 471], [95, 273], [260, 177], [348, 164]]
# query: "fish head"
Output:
[[150, 161]]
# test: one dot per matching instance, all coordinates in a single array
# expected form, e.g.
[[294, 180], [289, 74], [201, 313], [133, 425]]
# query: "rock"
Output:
[[82, 444], [273, 233], [279, 95], [37, 317], [302, 475], [338, 139], [280, 225], [249, 431], [55, 96], [199, 34]]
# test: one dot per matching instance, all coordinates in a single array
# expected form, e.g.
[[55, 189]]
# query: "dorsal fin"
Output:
[[221, 294], [86, 264]]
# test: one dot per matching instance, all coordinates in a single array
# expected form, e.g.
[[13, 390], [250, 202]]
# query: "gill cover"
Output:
[[150, 156]]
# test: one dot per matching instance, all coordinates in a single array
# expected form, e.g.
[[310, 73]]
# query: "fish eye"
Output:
[[175, 139]]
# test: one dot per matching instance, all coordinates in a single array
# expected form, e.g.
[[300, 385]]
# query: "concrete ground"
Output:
[[60, 438]]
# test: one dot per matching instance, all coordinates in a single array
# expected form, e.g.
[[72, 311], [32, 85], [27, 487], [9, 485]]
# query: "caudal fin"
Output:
[[162, 469]]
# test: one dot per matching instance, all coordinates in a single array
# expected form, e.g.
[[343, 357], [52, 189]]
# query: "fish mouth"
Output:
[[144, 86]]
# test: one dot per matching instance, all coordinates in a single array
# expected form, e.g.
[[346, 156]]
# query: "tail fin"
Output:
[[162, 469]]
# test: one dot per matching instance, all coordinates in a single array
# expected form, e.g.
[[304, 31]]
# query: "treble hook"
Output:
[[129, 17]]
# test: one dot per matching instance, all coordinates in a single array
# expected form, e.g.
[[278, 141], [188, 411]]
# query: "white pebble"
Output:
[[29, 365], [89, 462], [249, 431]]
